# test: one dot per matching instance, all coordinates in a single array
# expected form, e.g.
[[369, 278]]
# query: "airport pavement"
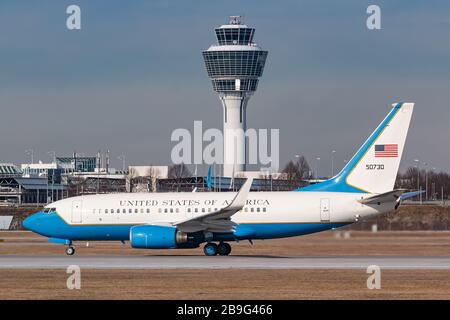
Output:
[[218, 262]]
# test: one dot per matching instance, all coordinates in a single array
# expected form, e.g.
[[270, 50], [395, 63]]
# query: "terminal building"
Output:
[[17, 188]]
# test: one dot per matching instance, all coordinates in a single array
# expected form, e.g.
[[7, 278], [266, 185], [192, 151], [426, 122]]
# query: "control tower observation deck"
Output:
[[234, 65]]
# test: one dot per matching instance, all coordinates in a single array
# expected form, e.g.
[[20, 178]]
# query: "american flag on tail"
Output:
[[386, 150]]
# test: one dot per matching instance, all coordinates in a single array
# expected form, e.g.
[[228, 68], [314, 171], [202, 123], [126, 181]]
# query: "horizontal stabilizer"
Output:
[[412, 194], [390, 196]]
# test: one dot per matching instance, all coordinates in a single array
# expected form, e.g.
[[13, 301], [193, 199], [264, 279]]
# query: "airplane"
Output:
[[363, 188]]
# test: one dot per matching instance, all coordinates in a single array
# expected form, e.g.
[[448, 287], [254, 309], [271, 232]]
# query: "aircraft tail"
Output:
[[373, 169]]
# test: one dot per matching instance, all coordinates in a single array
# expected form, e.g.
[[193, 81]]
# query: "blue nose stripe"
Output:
[[27, 224], [30, 222]]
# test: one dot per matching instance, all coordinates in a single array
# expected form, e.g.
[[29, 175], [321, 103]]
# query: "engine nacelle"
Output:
[[156, 237]]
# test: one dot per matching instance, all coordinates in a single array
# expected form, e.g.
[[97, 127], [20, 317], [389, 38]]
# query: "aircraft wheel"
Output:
[[70, 251], [210, 249], [224, 249]]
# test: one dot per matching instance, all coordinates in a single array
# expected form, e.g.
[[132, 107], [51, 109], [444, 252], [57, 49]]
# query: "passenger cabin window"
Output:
[[130, 210], [106, 210], [148, 210]]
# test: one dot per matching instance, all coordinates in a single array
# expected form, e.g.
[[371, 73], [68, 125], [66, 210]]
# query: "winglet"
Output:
[[239, 200]]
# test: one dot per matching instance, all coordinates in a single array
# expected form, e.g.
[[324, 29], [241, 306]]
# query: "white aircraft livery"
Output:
[[363, 188]]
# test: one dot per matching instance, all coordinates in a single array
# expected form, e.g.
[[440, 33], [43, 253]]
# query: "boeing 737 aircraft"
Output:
[[363, 188]]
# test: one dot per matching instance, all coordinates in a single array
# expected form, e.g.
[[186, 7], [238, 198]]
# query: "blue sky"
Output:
[[135, 72]]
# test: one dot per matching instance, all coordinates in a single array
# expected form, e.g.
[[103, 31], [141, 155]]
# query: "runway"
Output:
[[218, 262]]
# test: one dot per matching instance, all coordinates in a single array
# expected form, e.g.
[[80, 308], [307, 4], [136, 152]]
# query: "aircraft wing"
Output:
[[390, 196], [220, 220]]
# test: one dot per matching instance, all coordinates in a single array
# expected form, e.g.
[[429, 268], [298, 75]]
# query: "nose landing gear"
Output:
[[70, 251], [212, 249]]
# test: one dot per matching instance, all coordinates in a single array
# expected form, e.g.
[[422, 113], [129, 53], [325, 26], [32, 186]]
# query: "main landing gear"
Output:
[[212, 249], [70, 251]]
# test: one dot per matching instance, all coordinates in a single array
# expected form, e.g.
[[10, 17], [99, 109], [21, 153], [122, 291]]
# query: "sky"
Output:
[[135, 72]]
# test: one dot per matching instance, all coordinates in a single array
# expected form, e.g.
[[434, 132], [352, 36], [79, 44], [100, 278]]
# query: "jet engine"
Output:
[[161, 237]]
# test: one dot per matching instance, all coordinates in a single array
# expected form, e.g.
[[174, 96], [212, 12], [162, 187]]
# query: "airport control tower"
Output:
[[234, 65]]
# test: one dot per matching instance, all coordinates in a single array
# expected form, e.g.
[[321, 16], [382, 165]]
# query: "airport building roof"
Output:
[[8, 169], [37, 184]]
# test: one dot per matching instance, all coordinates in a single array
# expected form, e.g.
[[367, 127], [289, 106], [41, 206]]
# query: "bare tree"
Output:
[[437, 183], [151, 176], [179, 171], [131, 179], [297, 171], [303, 168]]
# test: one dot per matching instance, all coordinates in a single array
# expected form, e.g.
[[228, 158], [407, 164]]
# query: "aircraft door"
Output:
[[324, 209], [77, 210]]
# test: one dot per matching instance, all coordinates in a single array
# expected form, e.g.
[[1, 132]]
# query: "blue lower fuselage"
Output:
[[52, 226]]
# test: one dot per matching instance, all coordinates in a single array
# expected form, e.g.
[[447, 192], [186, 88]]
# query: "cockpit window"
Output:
[[49, 210]]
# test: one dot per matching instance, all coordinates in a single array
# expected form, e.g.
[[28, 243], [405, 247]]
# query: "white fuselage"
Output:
[[261, 207]]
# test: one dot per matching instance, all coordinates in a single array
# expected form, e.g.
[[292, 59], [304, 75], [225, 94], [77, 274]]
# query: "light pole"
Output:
[[418, 173], [332, 163], [418, 179], [426, 181], [30, 152], [53, 154], [270, 172], [122, 157], [317, 167], [433, 185]]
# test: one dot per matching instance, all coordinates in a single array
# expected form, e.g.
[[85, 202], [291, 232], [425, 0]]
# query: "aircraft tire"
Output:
[[210, 249], [224, 249], [70, 251]]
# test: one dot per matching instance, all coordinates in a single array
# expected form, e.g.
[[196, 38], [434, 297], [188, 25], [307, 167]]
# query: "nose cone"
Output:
[[31, 222]]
